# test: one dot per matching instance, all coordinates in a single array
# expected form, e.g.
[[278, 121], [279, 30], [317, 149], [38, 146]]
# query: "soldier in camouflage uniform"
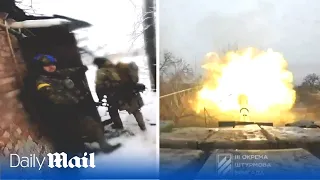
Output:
[[121, 89], [65, 98]]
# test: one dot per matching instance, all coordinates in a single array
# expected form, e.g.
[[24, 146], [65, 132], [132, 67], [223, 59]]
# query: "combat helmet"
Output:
[[41, 60], [102, 61], [45, 60]]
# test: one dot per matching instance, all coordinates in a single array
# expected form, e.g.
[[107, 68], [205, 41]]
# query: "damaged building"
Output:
[[19, 127]]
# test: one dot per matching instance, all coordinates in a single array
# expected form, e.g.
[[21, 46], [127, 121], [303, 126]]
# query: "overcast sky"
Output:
[[191, 28], [113, 20]]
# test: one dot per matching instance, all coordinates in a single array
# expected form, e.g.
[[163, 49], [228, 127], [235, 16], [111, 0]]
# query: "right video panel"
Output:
[[239, 89]]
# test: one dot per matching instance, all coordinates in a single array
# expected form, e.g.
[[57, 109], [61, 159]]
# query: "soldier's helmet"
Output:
[[45, 60], [102, 61]]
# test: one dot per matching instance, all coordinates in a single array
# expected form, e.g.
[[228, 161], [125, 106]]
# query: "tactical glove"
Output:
[[140, 87]]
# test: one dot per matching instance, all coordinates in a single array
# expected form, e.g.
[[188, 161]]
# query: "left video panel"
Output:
[[78, 89]]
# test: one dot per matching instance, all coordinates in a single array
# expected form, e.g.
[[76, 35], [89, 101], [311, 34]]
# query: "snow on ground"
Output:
[[143, 144], [118, 30]]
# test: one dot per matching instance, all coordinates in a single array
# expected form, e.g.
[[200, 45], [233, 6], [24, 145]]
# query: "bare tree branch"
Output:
[[133, 4], [138, 29], [311, 82]]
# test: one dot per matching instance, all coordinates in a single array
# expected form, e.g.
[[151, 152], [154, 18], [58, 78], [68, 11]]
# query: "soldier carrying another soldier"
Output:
[[66, 106], [120, 84]]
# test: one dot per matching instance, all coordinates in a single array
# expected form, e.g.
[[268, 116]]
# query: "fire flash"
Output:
[[246, 80]]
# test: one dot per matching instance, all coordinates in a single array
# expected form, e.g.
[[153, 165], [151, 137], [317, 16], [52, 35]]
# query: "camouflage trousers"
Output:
[[69, 134]]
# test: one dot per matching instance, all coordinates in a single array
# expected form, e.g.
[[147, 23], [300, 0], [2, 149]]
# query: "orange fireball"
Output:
[[261, 77]]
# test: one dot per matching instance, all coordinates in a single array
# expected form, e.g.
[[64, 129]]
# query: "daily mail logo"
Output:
[[55, 160], [224, 164]]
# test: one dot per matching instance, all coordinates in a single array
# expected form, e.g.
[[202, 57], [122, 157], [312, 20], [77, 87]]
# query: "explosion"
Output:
[[252, 79]]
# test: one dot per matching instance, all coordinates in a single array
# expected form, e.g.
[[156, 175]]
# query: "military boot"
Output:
[[117, 126], [95, 133], [139, 119], [117, 123], [115, 118], [108, 148], [104, 145]]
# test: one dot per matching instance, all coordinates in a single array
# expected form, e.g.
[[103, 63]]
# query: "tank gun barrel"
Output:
[[244, 110]]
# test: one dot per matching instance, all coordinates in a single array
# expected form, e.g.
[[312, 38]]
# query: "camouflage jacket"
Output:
[[55, 89], [107, 81], [119, 90]]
